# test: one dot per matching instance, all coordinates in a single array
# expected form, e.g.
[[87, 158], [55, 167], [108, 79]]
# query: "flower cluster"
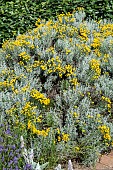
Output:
[[40, 97], [28, 109], [34, 130], [24, 57], [105, 132], [61, 136], [106, 99], [95, 66]]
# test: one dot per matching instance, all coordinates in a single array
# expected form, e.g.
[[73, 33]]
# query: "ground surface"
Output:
[[105, 163]]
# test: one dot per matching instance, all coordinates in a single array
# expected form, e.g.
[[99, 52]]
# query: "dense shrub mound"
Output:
[[17, 16], [56, 89]]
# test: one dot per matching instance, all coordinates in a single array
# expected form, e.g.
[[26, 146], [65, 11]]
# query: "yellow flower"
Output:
[[43, 67], [74, 82], [98, 115], [40, 97], [95, 66], [97, 52], [112, 143], [107, 144], [72, 19], [89, 116], [59, 138], [65, 137], [107, 136], [58, 130], [105, 131], [96, 42], [83, 130], [44, 133], [108, 102], [67, 51], [25, 88], [29, 124], [16, 91], [34, 130], [46, 101], [75, 114], [24, 56], [38, 132], [37, 22], [77, 148], [39, 119], [109, 106]]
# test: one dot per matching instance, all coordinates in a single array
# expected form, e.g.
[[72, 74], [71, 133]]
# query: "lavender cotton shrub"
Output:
[[56, 88]]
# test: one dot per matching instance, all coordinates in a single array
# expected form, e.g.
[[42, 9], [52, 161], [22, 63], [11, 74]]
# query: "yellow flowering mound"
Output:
[[56, 87]]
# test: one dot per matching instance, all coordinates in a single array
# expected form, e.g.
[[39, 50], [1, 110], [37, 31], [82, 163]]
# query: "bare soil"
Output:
[[105, 163]]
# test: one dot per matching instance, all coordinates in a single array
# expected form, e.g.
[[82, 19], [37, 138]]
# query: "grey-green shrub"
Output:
[[67, 61]]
